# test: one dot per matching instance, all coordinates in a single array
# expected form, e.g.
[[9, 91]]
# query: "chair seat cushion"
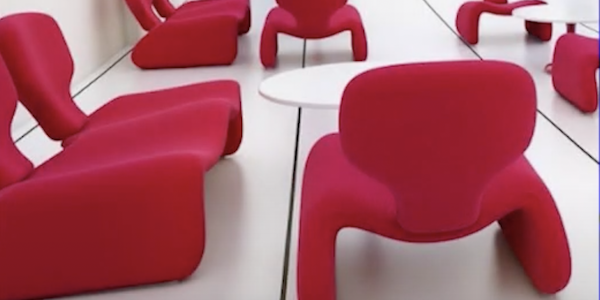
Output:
[[196, 128], [131, 107]]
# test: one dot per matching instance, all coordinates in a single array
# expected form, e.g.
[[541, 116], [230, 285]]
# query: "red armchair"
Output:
[[204, 38], [574, 69], [101, 215], [122, 204], [425, 154], [42, 67], [311, 19], [467, 18], [239, 8]]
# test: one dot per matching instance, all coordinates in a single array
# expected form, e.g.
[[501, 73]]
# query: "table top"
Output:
[[560, 11], [314, 87]]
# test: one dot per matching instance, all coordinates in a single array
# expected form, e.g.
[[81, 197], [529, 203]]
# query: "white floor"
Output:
[[248, 195]]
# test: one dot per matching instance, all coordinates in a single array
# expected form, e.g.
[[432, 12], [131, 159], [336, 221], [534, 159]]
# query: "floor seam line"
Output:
[[288, 238]]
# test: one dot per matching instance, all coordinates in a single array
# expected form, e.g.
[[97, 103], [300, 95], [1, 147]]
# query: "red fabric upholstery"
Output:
[[311, 19], [574, 70], [239, 8], [424, 155], [13, 165], [467, 18], [41, 67], [204, 38], [122, 204]]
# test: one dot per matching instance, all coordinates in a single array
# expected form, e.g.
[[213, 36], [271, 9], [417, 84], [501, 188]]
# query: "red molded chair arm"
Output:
[[187, 42], [164, 8], [575, 63], [130, 223]]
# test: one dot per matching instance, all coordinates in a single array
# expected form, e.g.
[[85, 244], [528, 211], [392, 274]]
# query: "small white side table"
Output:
[[570, 12], [318, 87]]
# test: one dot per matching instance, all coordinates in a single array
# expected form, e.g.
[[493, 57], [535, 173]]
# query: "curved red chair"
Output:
[[111, 210], [311, 19], [204, 38], [425, 154], [574, 69], [239, 8], [122, 204], [42, 68], [467, 18]]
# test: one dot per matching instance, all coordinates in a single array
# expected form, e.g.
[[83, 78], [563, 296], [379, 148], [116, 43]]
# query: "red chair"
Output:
[[42, 67], [166, 10], [467, 18], [122, 204], [311, 19], [204, 38], [425, 154], [117, 208], [574, 69]]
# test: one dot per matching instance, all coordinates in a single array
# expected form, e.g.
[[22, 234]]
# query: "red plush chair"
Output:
[[467, 18], [240, 8], [311, 19], [122, 204], [203, 38], [425, 154], [42, 68], [574, 68]]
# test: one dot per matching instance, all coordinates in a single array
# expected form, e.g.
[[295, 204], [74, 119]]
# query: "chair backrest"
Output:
[[437, 133], [143, 13], [13, 165], [164, 8], [311, 14], [41, 66]]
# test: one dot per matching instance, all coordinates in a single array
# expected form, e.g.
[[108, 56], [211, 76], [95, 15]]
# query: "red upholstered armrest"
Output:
[[102, 226], [198, 24]]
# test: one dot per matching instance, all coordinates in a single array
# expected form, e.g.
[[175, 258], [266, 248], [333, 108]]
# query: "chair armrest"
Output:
[[132, 222], [189, 42]]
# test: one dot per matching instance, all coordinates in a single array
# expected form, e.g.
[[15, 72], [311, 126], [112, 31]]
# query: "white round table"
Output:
[[570, 12], [563, 11], [318, 87]]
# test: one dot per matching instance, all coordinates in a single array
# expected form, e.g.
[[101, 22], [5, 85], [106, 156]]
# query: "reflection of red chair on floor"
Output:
[[467, 18], [122, 204], [202, 38], [427, 161], [574, 69], [240, 8], [42, 67], [311, 19]]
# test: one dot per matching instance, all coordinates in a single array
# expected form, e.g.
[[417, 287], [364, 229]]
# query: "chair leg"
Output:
[[359, 43], [316, 261], [542, 31], [538, 239], [246, 23], [234, 135], [268, 47], [467, 21]]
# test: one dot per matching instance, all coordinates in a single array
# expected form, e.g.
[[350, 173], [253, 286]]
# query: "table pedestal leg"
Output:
[[570, 29]]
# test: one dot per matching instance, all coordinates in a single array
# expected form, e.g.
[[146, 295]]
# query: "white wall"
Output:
[[93, 30]]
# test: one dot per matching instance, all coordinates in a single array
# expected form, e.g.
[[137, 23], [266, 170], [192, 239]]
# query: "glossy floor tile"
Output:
[[248, 195]]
